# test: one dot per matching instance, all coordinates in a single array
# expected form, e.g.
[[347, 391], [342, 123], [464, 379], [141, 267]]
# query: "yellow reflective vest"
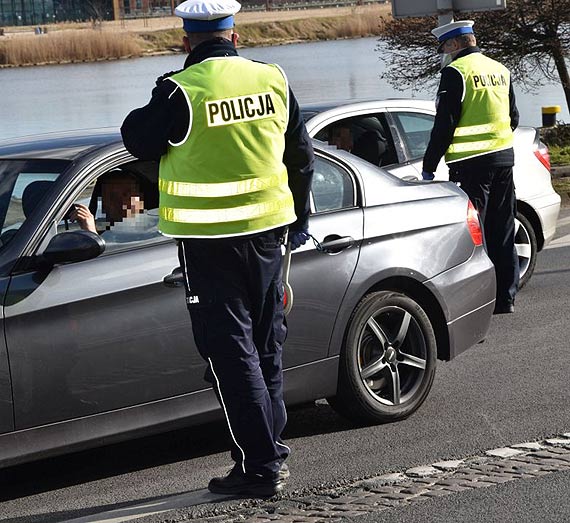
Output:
[[485, 123], [227, 177]]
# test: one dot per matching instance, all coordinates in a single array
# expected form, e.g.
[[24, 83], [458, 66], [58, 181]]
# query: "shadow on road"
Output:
[[136, 455]]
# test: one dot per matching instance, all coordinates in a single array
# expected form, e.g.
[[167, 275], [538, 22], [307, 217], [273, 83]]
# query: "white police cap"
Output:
[[451, 30], [207, 15]]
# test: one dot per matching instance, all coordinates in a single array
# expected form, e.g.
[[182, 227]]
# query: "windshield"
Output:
[[23, 185]]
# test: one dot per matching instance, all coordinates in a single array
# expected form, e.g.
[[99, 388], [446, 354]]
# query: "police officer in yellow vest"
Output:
[[474, 123], [236, 165]]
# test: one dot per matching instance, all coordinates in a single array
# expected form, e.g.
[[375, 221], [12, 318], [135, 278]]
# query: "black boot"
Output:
[[504, 307], [236, 483]]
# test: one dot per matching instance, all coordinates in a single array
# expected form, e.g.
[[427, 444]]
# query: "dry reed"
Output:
[[330, 28], [88, 45], [67, 46]]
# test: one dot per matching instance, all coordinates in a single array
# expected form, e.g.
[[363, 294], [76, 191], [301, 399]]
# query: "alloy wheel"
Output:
[[392, 355]]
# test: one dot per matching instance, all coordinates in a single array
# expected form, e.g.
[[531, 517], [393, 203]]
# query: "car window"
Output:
[[366, 136], [23, 185], [121, 206], [332, 188], [415, 129]]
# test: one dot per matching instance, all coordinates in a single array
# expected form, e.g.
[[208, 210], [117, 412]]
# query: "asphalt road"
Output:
[[511, 389]]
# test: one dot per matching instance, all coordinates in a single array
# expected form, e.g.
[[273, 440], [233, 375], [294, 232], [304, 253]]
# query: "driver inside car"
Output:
[[123, 205]]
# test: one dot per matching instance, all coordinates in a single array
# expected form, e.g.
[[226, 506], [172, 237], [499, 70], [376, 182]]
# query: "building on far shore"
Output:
[[35, 12], [40, 12]]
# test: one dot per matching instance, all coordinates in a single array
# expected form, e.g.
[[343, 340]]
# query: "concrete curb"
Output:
[[519, 461]]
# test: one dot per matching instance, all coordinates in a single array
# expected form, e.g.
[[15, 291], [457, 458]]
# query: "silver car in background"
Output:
[[405, 126], [96, 348]]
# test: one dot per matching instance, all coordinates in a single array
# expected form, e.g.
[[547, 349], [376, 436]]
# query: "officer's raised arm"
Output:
[[147, 130]]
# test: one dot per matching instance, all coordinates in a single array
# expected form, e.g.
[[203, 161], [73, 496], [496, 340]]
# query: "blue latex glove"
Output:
[[298, 238], [427, 176]]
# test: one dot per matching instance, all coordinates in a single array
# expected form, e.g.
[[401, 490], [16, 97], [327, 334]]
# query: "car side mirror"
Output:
[[73, 246]]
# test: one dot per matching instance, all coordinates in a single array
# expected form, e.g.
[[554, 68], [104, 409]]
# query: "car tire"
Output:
[[387, 364], [527, 248]]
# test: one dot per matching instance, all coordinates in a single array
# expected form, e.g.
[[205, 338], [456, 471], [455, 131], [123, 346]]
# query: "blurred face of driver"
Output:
[[121, 198]]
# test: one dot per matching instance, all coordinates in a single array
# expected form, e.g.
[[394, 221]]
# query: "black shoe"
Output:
[[236, 483], [504, 308]]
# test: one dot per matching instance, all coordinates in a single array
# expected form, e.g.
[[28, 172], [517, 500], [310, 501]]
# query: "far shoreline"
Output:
[[65, 44]]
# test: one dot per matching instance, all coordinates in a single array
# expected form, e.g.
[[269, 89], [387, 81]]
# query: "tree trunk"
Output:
[[562, 69]]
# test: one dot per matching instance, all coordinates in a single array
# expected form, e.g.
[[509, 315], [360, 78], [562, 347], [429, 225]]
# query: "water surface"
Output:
[[62, 97]]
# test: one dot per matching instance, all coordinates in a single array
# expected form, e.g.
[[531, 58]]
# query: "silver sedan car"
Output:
[[395, 134], [96, 341]]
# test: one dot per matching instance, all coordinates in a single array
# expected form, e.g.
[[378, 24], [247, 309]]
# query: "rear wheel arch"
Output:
[[424, 298], [429, 304]]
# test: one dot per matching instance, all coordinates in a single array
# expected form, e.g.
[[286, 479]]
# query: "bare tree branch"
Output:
[[530, 37]]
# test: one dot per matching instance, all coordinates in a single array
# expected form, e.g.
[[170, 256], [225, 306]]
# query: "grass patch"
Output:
[[558, 140], [559, 155], [68, 46], [561, 185]]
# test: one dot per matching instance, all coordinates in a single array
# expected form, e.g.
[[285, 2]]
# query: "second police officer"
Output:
[[474, 123], [236, 165]]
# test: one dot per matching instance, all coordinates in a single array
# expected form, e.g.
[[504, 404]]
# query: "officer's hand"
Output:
[[427, 176], [298, 238]]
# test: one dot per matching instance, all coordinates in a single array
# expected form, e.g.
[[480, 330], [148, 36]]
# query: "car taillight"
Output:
[[474, 225], [543, 155]]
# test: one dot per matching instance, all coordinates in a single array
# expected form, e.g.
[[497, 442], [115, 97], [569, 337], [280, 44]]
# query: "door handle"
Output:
[[174, 279], [334, 243]]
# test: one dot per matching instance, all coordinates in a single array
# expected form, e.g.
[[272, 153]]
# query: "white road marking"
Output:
[[150, 508]]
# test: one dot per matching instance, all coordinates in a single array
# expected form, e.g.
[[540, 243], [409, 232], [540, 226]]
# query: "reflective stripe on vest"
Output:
[[482, 145], [222, 189], [228, 178], [485, 124], [497, 127], [233, 214]]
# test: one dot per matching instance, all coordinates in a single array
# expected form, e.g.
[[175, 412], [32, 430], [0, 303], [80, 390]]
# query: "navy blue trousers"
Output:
[[234, 294], [492, 192]]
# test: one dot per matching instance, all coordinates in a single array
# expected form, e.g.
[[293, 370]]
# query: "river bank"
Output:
[[70, 43]]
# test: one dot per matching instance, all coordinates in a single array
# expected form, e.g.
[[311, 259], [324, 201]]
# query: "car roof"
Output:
[[366, 104], [70, 145], [60, 145]]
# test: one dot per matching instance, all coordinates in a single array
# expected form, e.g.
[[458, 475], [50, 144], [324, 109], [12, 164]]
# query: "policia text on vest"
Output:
[[240, 109]]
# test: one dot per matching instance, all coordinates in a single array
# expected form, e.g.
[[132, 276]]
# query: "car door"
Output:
[[103, 334], [15, 175], [413, 130], [320, 279]]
